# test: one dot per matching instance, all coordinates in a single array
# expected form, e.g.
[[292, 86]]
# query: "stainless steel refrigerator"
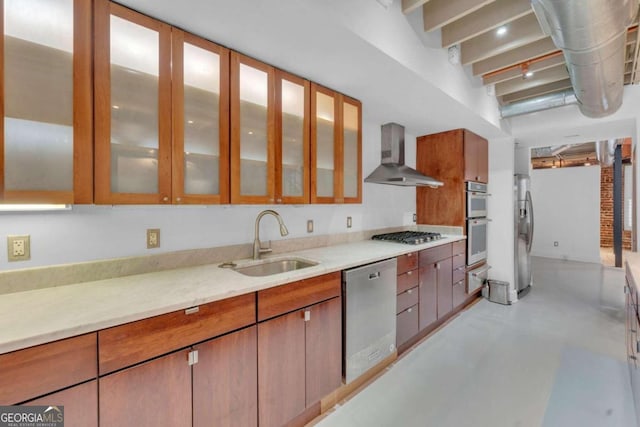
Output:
[[523, 211]]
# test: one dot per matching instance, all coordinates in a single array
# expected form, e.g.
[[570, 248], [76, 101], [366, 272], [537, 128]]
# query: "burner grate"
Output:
[[409, 237]]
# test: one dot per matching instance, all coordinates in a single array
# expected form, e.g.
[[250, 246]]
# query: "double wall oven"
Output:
[[477, 221]]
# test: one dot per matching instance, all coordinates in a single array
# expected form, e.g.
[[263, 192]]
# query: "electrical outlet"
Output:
[[556, 244], [415, 218], [153, 238], [19, 248], [310, 226], [349, 222]]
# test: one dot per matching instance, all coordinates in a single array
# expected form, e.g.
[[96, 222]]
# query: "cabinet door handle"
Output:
[[278, 200], [437, 266], [193, 357], [409, 273], [410, 254], [165, 199], [192, 310], [410, 291], [307, 315], [178, 199], [409, 310]]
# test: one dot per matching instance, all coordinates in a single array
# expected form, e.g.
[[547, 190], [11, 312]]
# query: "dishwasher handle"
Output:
[[374, 276]]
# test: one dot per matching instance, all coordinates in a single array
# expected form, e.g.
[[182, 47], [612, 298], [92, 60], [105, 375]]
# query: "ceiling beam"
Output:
[[437, 13], [409, 6], [484, 19], [540, 78], [535, 91], [536, 65], [520, 32], [516, 56]]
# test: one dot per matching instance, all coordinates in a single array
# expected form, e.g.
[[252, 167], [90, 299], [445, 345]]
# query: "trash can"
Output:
[[497, 291]]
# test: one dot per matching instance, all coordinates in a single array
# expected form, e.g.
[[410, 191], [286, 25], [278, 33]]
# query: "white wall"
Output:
[[99, 232], [566, 203], [500, 210], [523, 160]]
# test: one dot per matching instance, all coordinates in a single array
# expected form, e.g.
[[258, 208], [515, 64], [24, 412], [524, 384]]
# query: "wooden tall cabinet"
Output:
[[46, 131], [452, 157]]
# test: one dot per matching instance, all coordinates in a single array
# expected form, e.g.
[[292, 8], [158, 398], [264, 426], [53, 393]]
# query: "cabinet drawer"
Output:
[[407, 262], [459, 247], [35, 371], [135, 342], [407, 299], [432, 255], [407, 280], [458, 260], [459, 273], [283, 299], [459, 292], [406, 325]]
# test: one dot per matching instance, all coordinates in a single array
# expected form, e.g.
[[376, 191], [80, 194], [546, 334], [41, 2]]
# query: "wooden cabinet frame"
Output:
[[82, 118], [236, 196], [102, 86], [338, 147], [280, 198], [178, 38]]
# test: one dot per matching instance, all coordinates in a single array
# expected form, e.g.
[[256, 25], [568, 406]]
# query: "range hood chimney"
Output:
[[393, 171], [592, 35]]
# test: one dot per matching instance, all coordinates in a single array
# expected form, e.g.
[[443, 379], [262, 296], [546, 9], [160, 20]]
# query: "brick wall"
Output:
[[606, 211]]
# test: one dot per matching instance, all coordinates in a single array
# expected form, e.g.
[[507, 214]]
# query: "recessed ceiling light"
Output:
[[116, 107], [501, 31], [587, 164], [250, 132], [190, 122]]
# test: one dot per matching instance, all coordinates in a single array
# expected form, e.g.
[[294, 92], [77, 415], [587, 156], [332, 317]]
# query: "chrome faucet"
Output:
[[257, 246]]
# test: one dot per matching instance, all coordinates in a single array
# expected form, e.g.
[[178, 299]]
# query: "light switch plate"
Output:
[[349, 222], [310, 226], [19, 248]]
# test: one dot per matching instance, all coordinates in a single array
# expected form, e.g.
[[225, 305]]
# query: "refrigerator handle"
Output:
[[530, 236]]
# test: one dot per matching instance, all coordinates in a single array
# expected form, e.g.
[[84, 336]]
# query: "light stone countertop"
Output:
[[39, 316]]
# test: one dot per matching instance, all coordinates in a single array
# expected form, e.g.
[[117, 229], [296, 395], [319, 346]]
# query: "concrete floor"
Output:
[[555, 358]]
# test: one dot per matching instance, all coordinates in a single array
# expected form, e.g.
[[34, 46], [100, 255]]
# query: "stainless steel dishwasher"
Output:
[[369, 313]]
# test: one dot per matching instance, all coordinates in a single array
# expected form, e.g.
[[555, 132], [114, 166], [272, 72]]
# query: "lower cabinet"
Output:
[[213, 383], [428, 283], [80, 404], [225, 381], [299, 360], [444, 279], [155, 393]]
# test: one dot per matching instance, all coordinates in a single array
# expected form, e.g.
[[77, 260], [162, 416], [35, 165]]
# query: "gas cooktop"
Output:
[[409, 237]]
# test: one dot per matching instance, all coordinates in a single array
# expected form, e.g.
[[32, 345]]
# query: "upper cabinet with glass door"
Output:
[[336, 147], [292, 139], [252, 131], [200, 84], [132, 108], [46, 135]]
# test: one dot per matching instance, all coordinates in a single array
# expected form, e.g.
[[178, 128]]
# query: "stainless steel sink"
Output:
[[275, 266]]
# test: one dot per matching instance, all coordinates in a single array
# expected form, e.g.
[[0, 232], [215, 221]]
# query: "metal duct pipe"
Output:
[[539, 103], [606, 151], [592, 36]]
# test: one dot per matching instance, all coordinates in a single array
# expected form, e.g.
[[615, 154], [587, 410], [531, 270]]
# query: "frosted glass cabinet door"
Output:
[[351, 142], [292, 139], [252, 130], [133, 107], [323, 137], [200, 120], [43, 100]]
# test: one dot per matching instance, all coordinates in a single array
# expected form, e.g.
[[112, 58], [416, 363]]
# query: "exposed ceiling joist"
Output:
[[536, 91], [485, 19], [520, 32], [437, 13], [516, 56], [409, 6], [548, 61], [517, 84]]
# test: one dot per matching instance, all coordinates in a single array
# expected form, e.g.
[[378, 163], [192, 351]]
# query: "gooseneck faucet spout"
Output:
[[257, 246]]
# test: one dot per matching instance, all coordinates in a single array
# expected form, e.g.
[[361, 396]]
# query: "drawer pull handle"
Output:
[[632, 357], [409, 310], [374, 276], [192, 310], [410, 254], [410, 291]]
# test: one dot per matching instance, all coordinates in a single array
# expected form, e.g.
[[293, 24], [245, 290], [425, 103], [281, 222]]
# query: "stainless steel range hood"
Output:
[[393, 171]]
